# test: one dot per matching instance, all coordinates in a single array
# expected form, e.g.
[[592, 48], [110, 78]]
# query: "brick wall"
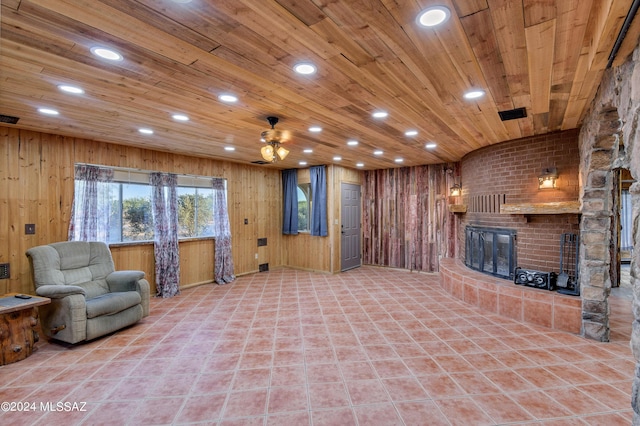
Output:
[[508, 173]]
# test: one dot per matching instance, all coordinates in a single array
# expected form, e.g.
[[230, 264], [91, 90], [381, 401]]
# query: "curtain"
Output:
[[90, 211], [319, 201], [164, 202], [290, 202], [223, 269]]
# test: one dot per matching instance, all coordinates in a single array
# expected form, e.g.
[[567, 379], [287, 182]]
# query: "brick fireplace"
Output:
[[507, 174]]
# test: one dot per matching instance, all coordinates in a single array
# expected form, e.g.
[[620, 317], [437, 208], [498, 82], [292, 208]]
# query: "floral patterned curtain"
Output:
[[164, 201], [90, 209], [223, 269]]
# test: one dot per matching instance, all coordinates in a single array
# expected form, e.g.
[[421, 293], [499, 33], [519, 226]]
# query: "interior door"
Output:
[[350, 227]]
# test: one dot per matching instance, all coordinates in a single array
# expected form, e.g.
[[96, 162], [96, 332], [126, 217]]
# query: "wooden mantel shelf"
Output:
[[559, 207]]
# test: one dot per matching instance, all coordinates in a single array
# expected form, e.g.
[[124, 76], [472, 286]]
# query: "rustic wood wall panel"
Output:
[[406, 222], [36, 183]]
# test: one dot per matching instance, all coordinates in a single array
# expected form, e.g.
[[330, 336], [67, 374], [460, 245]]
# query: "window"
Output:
[[130, 213], [195, 212], [304, 207]]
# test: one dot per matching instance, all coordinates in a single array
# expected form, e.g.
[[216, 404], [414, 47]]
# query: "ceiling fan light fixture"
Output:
[[282, 152], [434, 16], [267, 153], [272, 151]]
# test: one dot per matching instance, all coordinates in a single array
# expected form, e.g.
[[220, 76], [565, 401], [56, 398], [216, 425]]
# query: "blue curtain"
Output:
[[164, 202], [290, 202], [319, 201]]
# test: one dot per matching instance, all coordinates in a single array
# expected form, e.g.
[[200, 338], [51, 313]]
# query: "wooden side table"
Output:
[[18, 318]]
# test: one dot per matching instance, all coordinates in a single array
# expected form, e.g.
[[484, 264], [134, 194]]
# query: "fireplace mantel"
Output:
[[559, 207]]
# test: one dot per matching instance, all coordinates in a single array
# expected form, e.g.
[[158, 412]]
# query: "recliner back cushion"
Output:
[[81, 263]]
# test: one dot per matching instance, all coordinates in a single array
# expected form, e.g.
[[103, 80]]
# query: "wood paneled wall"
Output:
[[405, 217], [36, 186]]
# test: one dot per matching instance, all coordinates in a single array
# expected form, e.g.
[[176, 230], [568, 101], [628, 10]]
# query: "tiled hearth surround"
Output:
[[371, 346], [503, 297]]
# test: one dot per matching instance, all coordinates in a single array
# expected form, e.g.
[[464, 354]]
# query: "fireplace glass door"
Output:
[[491, 250]]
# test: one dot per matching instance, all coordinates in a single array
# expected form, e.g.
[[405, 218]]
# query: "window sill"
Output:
[[143, 243]]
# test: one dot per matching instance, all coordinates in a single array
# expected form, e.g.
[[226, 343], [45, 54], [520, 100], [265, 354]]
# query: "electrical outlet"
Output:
[[30, 228], [5, 273], [256, 256]]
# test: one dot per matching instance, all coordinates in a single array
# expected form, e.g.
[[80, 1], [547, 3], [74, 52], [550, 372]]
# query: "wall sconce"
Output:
[[547, 180], [456, 190]]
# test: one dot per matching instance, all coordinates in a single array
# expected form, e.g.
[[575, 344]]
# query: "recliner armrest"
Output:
[[124, 280], [56, 291]]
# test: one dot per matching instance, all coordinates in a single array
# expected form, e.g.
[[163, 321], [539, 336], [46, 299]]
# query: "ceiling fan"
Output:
[[272, 151]]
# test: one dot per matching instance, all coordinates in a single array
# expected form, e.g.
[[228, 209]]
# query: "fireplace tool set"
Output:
[[566, 281]]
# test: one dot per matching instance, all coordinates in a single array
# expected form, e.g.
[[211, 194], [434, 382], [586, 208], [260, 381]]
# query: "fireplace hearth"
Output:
[[491, 250]]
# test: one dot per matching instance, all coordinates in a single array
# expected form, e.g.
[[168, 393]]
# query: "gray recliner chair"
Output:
[[88, 297]]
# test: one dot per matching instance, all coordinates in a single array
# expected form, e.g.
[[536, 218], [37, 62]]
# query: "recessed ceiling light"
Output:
[[337, 158], [70, 89], [359, 164], [474, 94], [398, 160], [380, 114], [315, 129], [229, 148], [105, 53], [307, 151], [430, 145], [180, 117], [303, 163], [352, 143], [433, 16], [411, 133], [48, 111], [305, 68], [378, 152], [146, 131], [225, 97]]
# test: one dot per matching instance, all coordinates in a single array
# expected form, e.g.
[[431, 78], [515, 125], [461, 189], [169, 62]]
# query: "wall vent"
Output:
[[263, 267], [5, 273], [486, 203], [262, 242], [513, 114], [260, 162], [8, 119]]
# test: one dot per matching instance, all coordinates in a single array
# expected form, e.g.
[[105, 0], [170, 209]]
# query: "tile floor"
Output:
[[371, 346]]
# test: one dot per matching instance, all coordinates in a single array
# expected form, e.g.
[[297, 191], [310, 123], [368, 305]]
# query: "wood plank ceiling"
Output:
[[543, 55]]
